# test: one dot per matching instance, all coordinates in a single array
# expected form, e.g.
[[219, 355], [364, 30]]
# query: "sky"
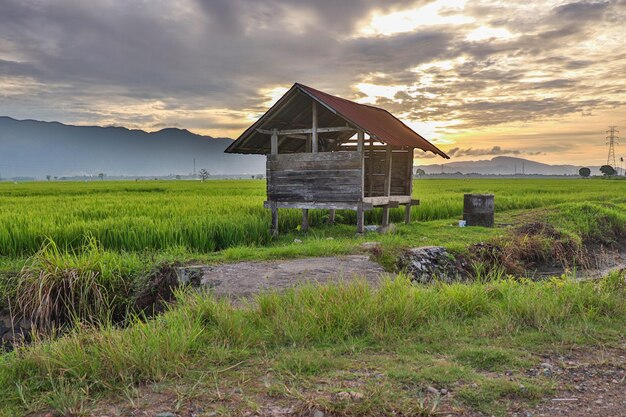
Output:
[[541, 80]]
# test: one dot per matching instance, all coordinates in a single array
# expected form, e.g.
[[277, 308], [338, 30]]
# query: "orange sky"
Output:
[[537, 79]]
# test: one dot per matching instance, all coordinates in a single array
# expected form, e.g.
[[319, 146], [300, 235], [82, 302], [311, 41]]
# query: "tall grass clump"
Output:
[[59, 286]]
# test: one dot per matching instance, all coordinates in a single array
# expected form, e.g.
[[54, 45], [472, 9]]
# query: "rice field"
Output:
[[205, 217]]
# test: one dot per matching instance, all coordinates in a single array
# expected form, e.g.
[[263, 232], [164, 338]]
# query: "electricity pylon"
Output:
[[611, 140]]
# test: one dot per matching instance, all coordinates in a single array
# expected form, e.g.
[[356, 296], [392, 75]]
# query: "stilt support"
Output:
[[305, 220], [274, 229], [331, 216], [407, 213], [360, 218], [385, 220]]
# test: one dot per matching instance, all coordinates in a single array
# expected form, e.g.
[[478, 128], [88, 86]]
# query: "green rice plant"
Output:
[[216, 215]]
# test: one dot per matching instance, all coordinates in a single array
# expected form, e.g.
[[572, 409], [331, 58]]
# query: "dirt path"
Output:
[[243, 279], [589, 383]]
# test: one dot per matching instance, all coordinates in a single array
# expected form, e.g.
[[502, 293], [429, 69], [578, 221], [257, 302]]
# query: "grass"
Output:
[[57, 286], [224, 221], [64, 283], [445, 335], [216, 215], [96, 246]]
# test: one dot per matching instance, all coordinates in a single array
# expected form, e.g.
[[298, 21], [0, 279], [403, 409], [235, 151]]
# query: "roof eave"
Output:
[[232, 148]]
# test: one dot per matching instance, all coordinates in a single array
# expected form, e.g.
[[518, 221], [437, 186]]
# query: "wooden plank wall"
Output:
[[400, 183], [314, 177]]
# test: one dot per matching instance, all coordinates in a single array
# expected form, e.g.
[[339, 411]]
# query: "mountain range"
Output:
[[505, 165], [30, 148], [35, 149]]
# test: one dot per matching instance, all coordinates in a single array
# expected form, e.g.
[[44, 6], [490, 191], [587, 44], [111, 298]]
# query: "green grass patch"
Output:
[[202, 332], [492, 396], [490, 358], [299, 363]]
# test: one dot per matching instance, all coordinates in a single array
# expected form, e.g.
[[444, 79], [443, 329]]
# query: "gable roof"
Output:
[[290, 111]]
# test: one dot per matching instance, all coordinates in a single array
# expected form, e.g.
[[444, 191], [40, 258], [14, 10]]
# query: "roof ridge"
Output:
[[343, 99], [361, 104]]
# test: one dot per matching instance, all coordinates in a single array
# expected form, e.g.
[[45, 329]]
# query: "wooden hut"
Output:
[[325, 152]]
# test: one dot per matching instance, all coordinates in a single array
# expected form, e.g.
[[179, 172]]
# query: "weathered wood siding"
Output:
[[400, 182], [314, 177]]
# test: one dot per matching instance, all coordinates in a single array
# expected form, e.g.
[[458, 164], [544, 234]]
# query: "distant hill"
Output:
[[505, 165], [30, 148]]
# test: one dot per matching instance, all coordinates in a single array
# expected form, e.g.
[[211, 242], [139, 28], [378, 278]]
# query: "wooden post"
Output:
[[305, 220], [407, 208], [360, 139], [407, 213], [388, 159], [385, 220], [360, 215], [273, 206], [360, 147], [331, 216], [370, 163], [274, 142], [314, 127], [360, 218], [274, 229], [410, 172]]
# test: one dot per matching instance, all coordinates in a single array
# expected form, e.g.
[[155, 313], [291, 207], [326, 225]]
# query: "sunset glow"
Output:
[[541, 79]]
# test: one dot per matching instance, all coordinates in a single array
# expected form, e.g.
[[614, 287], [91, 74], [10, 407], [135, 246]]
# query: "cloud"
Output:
[[207, 64], [458, 152]]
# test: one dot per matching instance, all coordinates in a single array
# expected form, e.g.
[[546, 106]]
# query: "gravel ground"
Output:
[[589, 383]]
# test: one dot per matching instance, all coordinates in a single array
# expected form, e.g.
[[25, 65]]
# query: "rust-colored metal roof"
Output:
[[378, 122], [373, 120]]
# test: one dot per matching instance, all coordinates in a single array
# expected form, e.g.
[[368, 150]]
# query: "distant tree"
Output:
[[259, 177], [419, 172], [101, 175], [621, 162], [204, 174], [607, 170], [56, 178], [48, 177], [584, 172], [178, 177], [253, 176]]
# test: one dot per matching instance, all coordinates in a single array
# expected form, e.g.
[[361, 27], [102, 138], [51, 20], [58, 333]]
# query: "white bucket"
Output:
[[462, 223]]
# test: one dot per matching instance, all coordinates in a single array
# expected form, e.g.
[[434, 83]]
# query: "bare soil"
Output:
[[589, 383], [243, 279]]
